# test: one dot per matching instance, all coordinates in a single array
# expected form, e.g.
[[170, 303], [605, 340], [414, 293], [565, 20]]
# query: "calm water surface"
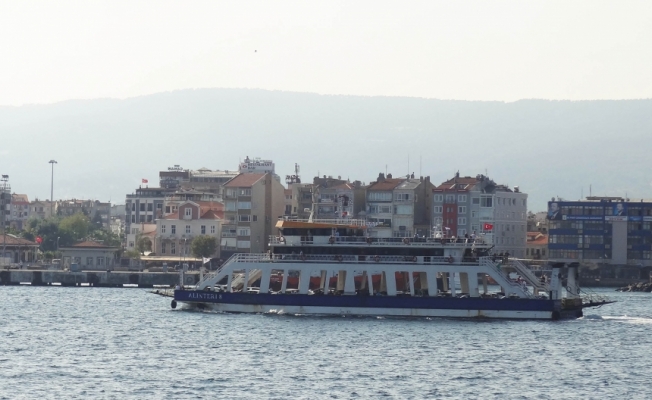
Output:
[[127, 343]]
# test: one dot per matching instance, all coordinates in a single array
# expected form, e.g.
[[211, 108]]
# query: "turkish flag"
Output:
[[39, 240], [487, 227], [145, 181]]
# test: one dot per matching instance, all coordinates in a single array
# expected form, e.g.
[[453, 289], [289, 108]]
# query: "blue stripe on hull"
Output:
[[386, 302]]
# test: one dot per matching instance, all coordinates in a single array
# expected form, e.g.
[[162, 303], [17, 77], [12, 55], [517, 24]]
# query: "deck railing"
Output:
[[374, 241]]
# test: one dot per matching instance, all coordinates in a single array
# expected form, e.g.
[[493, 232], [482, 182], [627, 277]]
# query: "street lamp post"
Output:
[[6, 191], [52, 162]]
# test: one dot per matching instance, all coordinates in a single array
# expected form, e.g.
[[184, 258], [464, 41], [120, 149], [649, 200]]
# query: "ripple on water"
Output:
[[126, 343]]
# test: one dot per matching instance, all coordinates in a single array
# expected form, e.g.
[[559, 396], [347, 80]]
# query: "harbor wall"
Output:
[[95, 278]]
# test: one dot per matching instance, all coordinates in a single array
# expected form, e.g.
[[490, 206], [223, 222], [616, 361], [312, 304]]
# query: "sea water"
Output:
[[58, 342]]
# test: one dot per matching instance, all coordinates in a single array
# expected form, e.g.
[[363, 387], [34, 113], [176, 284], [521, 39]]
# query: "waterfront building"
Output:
[[478, 205], [90, 255], [175, 232], [138, 230], [399, 207], [94, 209], [16, 250], [601, 230], [536, 247], [253, 203]]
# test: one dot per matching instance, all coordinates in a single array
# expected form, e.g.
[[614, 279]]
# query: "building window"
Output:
[[203, 229], [461, 220], [379, 196], [450, 198], [142, 218], [187, 228], [486, 201], [438, 209], [162, 228], [244, 244], [173, 248], [461, 198], [89, 260], [159, 206], [244, 232], [244, 205], [100, 260], [255, 218], [167, 209], [213, 229], [149, 218], [150, 207], [461, 210], [244, 192], [142, 206], [244, 218], [163, 248], [439, 198], [230, 206], [173, 229], [402, 197], [188, 212]]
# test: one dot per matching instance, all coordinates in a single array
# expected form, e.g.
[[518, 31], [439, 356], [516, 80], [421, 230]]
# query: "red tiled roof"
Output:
[[244, 180], [213, 214], [387, 184], [537, 238], [90, 244], [464, 183], [11, 240]]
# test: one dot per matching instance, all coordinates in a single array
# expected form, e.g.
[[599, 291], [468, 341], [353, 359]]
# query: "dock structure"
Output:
[[96, 278]]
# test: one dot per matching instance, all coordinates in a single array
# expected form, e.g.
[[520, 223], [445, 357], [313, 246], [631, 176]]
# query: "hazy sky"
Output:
[[474, 50]]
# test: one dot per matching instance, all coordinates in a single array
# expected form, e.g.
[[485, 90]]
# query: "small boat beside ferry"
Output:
[[326, 268]]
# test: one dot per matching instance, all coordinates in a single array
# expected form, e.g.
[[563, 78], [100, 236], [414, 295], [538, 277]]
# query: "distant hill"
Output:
[[548, 148]]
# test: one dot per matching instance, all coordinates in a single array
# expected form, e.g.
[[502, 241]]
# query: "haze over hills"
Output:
[[105, 147]]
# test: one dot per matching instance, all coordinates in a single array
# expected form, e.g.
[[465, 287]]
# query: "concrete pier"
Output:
[[96, 278]]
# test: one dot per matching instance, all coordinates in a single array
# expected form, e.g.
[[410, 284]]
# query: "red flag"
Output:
[[145, 181], [39, 240], [487, 227]]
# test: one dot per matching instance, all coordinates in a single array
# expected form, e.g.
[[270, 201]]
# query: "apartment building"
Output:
[[399, 207], [176, 231], [145, 205], [253, 203], [41, 209], [19, 211], [338, 199], [468, 205]]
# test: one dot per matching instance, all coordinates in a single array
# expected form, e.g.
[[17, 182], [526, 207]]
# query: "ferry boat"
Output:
[[325, 268]]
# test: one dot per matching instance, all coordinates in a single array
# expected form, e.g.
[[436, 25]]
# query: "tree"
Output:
[[203, 246], [132, 254], [143, 244], [96, 222], [76, 225]]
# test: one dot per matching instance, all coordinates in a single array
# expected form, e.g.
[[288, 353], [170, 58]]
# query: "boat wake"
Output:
[[629, 320]]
